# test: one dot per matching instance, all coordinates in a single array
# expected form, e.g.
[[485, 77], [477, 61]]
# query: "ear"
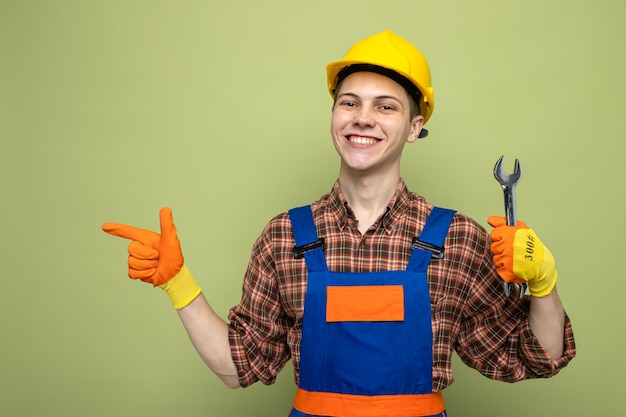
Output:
[[416, 127]]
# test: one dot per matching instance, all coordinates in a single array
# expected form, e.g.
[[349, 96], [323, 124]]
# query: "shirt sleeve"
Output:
[[495, 336], [258, 325]]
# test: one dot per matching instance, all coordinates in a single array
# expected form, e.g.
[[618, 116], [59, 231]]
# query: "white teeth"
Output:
[[360, 140]]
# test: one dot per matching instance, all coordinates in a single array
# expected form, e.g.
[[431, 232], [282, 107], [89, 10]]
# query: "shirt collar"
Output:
[[395, 209]]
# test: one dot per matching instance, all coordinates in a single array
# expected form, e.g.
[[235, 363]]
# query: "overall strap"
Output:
[[430, 243], [307, 242]]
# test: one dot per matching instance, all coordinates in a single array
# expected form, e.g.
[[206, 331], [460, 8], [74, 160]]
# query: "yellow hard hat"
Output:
[[390, 55]]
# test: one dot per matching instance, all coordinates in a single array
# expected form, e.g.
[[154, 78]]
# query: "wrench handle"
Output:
[[509, 205], [510, 211]]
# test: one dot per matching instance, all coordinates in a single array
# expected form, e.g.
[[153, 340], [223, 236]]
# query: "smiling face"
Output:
[[371, 122]]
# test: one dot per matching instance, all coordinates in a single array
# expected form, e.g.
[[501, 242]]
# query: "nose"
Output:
[[364, 117]]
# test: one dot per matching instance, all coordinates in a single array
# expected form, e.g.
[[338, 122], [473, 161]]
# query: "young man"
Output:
[[370, 289]]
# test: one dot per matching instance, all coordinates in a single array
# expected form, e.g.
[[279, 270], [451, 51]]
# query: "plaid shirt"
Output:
[[470, 313]]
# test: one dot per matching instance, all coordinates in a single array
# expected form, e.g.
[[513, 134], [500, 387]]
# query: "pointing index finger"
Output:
[[146, 237]]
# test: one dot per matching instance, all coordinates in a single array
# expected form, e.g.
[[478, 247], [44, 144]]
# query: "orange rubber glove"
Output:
[[158, 259], [520, 256]]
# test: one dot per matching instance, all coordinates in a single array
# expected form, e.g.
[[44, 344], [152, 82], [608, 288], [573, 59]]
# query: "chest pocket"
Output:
[[364, 303]]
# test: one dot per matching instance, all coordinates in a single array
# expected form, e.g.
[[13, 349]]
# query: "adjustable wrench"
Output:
[[508, 183]]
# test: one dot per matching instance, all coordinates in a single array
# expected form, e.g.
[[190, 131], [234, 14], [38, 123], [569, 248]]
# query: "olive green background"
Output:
[[113, 109]]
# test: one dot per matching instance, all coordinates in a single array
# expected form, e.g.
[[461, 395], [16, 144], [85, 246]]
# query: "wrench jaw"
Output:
[[504, 178], [508, 285]]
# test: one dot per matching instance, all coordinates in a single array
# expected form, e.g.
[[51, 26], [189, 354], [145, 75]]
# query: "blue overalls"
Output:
[[366, 347]]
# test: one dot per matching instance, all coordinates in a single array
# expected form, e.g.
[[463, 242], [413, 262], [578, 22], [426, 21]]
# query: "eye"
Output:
[[347, 103], [387, 107]]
